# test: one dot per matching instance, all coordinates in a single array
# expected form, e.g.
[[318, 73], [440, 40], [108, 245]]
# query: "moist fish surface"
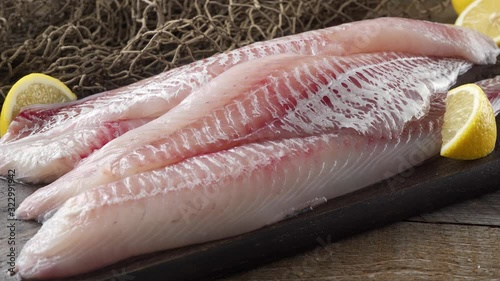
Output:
[[275, 97], [182, 131], [262, 139], [45, 142], [233, 191]]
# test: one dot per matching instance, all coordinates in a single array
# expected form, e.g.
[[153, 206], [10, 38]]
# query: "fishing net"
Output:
[[97, 45]]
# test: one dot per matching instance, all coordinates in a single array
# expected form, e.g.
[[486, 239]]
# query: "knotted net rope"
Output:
[[97, 45]]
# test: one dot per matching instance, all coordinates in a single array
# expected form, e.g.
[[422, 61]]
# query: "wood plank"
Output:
[[481, 211], [403, 251]]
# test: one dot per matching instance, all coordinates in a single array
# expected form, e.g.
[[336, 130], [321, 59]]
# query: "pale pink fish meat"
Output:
[[228, 192], [155, 96], [260, 141], [275, 97], [131, 153], [63, 149]]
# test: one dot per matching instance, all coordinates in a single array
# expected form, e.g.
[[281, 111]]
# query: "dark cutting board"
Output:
[[436, 183]]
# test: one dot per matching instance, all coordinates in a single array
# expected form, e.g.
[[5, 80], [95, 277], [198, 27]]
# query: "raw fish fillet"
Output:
[[63, 150], [23, 148], [225, 193], [276, 97]]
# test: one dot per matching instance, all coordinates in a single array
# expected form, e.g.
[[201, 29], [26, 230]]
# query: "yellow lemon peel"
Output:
[[35, 88], [469, 128]]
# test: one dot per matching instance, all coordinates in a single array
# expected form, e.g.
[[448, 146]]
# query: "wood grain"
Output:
[[403, 251], [481, 211]]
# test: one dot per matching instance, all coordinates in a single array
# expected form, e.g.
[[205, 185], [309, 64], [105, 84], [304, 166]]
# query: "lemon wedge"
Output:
[[460, 5], [483, 16], [35, 88], [469, 129]]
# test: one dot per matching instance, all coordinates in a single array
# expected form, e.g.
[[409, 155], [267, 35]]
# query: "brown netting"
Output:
[[94, 45]]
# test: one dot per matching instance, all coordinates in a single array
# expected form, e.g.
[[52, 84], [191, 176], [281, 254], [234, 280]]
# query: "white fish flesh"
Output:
[[276, 97], [221, 194], [261, 140], [45, 142], [132, 152]]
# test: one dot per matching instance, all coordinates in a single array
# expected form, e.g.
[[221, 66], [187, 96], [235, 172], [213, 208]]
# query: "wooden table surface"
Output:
[[460, 242]]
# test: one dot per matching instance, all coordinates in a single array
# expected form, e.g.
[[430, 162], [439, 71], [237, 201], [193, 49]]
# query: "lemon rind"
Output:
[[21, 85], [465, 12], [460, 19], [473, 115]]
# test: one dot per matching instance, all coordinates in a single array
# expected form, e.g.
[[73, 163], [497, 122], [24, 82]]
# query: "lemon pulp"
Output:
[[32, 89], [483, 16], [469, 128]]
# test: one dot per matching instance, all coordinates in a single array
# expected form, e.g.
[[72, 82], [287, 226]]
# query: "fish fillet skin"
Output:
[[283, 96], [153, 97], [221, 194]]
